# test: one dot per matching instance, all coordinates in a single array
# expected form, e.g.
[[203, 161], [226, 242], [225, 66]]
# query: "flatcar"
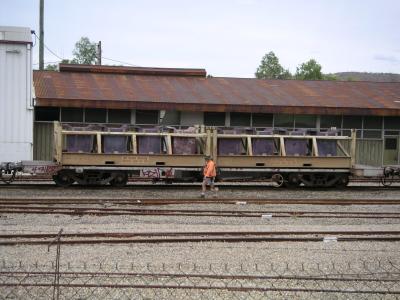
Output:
[[95, 155]]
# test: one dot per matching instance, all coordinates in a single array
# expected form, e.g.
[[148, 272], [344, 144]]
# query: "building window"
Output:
[[47, 114], [352, 122], [392, 122], [348, 133], [328, 121], [391, 132], [284, 120], [170, 117], [121, 116], [240, 119], [95, 115], [372, 134], [372, 122], [144, 117], [305, 121], [262, 120], [391, 144], [214, 118], [72, 115]]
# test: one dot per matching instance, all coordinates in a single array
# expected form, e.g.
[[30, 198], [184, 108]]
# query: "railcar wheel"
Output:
[[120, 180], [63, 179], [343, 181], [277, 180], [292, 181], [387, 177], [291, 185], [387, 180], [320, 180]]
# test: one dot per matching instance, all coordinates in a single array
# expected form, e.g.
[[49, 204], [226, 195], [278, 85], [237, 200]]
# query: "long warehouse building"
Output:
[[82, 94]]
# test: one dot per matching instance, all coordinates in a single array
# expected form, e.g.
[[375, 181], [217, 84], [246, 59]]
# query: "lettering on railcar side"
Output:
[[135, 159]]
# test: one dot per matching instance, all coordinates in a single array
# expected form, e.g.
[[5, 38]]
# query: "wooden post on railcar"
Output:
[[249, 146], [282, 144], [57, 145], [314, 147], [208, 143], [134, 143], [202, 129], [214, 153], [168, 141], [353, 147], [98, 142]]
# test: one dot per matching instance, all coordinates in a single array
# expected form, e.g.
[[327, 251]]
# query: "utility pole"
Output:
[[98, 62], [41, 36]]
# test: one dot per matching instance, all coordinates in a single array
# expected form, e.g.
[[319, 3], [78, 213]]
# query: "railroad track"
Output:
[[39, 184], [133, 179], [11, 209], [169, 201], [330, 277], [184, 237]]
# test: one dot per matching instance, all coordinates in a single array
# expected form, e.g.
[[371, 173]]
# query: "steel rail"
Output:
[[325, 277], [200, 233], [229, 202], [202, 287], [165, 201], [142, 179], [145, 210], [183, 237], [227, 185], [201, 239], [196, 213]]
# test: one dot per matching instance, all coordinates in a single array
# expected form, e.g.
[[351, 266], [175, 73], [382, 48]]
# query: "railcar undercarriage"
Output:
[[119, 178]]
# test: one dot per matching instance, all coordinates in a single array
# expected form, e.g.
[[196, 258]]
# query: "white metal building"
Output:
[[16, 102]]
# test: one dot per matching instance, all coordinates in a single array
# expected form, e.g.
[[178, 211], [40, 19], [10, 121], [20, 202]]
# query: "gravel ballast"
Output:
[[202, 253]]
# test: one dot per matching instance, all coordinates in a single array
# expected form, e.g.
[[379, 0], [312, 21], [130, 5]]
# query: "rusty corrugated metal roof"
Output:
[[132, 70], [119, 91]]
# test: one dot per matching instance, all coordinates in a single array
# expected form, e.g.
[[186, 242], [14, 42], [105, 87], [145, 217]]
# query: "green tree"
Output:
[[85, 52], [329, 77], [54, 67], [51, 67], [310, 70], [270, 68]]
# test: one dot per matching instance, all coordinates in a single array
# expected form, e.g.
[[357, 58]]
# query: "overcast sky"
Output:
[[227, 37]]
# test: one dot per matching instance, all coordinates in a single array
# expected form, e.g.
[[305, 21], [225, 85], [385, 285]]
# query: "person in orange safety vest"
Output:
[[209, 173]]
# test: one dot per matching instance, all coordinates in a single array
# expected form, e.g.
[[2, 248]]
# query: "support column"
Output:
[[227, 119], [133, 116]]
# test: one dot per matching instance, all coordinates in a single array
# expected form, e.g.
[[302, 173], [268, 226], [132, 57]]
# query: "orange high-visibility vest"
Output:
[[209, 169]]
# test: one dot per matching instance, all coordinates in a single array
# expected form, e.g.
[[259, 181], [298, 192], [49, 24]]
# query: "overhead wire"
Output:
[[48, 49], [56, 55], [122, 62], [49, 62]]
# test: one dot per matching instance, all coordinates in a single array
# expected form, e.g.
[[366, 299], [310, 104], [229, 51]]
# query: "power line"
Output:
[[122, 62], [49, 62], [48, 49], [106, 58]]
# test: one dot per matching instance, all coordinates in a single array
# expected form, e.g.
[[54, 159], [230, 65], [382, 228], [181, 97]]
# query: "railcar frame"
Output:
[[98, 167]]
